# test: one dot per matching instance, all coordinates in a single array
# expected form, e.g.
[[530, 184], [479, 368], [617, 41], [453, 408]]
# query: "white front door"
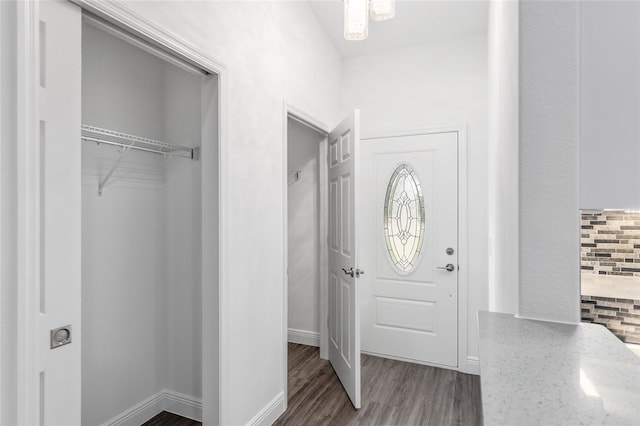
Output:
[[344, 312], [409, 243]]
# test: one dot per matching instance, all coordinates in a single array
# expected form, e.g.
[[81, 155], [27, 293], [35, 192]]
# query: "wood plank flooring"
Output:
[[169, 419], [393, 393]]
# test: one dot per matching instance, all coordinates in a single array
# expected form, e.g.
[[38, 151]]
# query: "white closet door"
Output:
[[60, 117], [344, 310]]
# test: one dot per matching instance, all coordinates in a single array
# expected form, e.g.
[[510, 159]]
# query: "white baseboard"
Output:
[[473, 365], [139, 413], [184, 405], [303, 337], [270, 413], [165, 400], [411, 360]]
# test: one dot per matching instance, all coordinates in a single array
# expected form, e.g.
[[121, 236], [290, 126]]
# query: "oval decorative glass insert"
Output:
[[404, 218]]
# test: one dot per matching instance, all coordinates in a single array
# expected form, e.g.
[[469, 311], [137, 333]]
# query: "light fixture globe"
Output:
[[356, 19], [381, 10]]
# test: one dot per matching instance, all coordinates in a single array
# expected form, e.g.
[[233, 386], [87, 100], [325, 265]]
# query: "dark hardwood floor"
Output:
[[169, 419], [393, 393]]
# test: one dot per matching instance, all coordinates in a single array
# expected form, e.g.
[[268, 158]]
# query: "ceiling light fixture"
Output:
[[381, 10], [356, 16]]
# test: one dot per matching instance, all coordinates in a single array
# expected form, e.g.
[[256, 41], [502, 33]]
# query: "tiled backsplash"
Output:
[[620, 316], [610, 243]]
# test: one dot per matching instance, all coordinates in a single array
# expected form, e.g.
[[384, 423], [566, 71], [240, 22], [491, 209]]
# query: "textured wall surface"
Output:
[[549, 156], [503, 156]]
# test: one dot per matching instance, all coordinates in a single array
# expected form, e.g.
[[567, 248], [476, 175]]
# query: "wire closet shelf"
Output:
[[127, 142], [124, 140]]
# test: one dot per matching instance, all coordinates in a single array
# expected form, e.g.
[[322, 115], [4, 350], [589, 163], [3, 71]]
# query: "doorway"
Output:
[[339, 334], [305, 226], [141, 227], [304, 217]]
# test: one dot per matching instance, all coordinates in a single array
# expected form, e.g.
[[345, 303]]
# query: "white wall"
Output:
[[610, 104], [273, 51], [441, 84], [303, 151], [124, 358], [8, 215], [549, 157], [503, 156], [182, 124], [141, 240]]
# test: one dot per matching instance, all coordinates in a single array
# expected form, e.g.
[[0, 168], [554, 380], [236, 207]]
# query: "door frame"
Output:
[[28, 217], [466, 364], [291, 112], [215, 217]]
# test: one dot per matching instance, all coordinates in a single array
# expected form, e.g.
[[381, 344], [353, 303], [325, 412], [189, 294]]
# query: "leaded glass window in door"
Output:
[[404, 218]]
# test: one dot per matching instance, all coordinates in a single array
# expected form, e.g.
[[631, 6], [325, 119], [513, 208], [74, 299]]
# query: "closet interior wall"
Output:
[[141, 294], [303, 265]]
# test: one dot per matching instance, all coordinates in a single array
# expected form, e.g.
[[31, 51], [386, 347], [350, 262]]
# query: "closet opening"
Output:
[[306, 244], [149, 215]]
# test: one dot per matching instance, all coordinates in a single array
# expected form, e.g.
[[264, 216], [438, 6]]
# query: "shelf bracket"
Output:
[[113, 169]]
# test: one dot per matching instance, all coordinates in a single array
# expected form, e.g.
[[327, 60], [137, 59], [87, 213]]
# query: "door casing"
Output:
[[215, 215]]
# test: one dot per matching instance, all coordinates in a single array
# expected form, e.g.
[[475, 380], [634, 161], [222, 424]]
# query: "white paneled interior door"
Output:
[[60, 212], [409, 242], [344, 313]]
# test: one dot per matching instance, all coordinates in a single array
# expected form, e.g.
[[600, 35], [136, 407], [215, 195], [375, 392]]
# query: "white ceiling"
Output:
[[416, 22]]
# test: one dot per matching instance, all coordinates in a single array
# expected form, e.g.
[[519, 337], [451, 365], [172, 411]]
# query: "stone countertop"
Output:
[[545, 373]]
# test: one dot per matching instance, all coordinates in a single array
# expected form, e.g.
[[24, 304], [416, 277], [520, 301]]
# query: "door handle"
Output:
[[357, 272], [349, 271], [449, 267]]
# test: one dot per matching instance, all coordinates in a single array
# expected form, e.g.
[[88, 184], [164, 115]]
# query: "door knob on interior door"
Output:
[[348, 271], [357, 272], [449, 267]]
